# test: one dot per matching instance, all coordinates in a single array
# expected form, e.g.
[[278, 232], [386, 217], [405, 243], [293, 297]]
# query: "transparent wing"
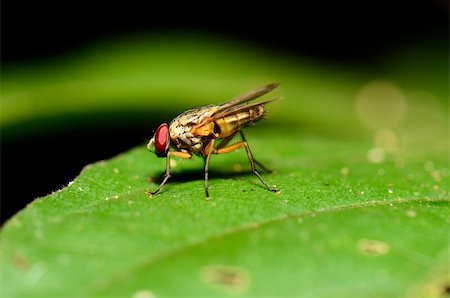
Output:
[[239, 104]]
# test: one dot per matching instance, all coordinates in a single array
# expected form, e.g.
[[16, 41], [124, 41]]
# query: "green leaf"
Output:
[[341, 226], [363, 208]]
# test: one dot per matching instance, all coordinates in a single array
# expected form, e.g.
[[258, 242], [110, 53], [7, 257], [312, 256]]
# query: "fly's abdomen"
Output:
[[235, 122]]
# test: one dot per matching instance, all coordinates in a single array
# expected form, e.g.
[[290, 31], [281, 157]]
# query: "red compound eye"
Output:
[[162, 138]]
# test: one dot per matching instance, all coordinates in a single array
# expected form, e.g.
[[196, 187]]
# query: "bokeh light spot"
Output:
[[380, 104]]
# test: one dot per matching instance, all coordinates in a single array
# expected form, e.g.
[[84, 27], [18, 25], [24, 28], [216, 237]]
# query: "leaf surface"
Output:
[[329, 231]]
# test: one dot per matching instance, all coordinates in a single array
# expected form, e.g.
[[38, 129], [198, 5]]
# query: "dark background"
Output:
[[356, 33], [349, 31]]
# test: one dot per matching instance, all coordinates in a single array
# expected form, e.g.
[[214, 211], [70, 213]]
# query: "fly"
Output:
[[197, 130]]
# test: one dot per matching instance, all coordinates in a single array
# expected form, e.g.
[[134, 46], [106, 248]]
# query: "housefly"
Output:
[[208, 130]]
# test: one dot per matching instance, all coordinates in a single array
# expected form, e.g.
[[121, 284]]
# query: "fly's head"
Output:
[[160, 143]]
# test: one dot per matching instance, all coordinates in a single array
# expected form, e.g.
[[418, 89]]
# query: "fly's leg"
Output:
[[244, 144], [165, 177], [256, 162], [263, 167], [209, 150], [225, 142], [167, 174]]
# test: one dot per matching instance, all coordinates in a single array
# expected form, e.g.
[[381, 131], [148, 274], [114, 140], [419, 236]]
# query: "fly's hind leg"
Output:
[[221, 149], [167, 174], [263, 167]]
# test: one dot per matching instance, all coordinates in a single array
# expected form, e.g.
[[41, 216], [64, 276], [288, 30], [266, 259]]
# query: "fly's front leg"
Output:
[[165, 177], [167, 174], [244, 144]]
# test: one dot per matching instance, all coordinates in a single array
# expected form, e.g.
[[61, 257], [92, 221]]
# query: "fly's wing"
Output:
[[241, 108], [238, 104], [252, 94]]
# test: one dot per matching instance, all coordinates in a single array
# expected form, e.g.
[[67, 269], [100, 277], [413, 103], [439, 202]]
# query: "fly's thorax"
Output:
[[193, 116], [183, 139], [181, 130]]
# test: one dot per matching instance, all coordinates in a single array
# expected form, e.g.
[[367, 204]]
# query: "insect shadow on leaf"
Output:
[[188, 175]]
